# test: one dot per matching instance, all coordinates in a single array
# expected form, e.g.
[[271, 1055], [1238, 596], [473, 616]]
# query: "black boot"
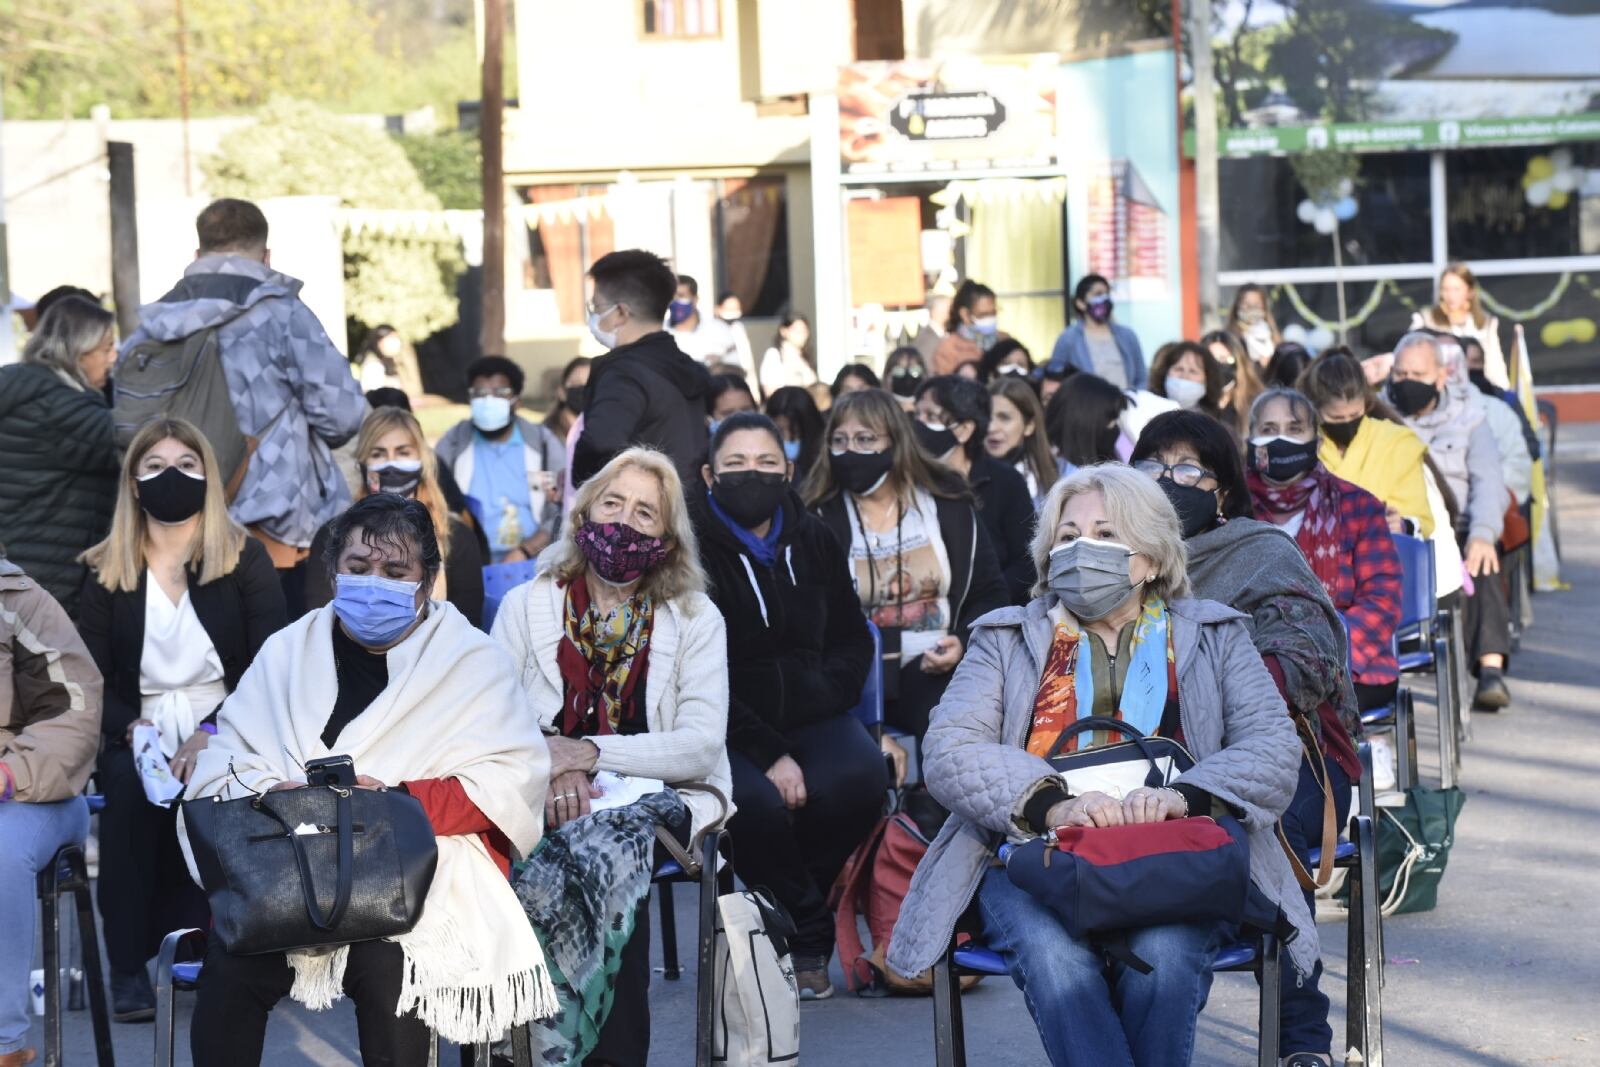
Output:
[[132, 998], [1492, 692]]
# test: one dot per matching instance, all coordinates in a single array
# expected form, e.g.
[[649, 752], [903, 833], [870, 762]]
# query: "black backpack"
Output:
[[183, 379]]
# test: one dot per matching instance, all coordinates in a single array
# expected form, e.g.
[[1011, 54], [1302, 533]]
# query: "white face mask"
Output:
[[607, 338], [1186, 393], [491, 413]]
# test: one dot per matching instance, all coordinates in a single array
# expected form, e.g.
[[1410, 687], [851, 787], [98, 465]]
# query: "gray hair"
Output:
[[1298, 403], [1417, 338], [70, 330], [1143, 516]]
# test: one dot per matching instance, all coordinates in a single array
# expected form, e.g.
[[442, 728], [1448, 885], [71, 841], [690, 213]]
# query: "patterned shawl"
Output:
[[602, 663], [1317, 494]]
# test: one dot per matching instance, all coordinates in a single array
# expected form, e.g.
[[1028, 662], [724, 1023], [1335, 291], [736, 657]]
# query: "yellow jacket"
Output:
[[1385, 459]]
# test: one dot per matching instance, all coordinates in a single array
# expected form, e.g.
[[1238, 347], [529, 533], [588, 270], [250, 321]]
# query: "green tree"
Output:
[[403, 276], [450, 166]]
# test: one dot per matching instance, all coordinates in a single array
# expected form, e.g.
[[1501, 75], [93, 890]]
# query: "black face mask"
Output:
[[1283, 460], [394, 478], [1342, 433], [172, 496], [860, 472], [577, 396], [1196, 507], [1481, 380], [749, 498], [1230, 373], [904, 383], [934, 442], [1410, 397]]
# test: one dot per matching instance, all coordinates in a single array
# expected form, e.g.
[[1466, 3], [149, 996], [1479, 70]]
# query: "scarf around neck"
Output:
[[602, 662], [1066, 690], [764, 549], [1317, 494]]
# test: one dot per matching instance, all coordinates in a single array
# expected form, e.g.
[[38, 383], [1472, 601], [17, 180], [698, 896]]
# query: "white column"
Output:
[[827, 234], [1439, 213]]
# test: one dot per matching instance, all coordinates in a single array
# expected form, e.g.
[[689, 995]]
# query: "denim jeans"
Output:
[[30, 834], [1304, 1006], [1091, 1013]]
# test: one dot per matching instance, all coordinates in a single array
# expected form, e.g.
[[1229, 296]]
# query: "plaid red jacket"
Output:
[[1367, 592]]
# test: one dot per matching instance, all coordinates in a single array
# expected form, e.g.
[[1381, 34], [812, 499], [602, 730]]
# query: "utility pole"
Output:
[[1207, 215], [490, 108], [183, 93], [124, 236]]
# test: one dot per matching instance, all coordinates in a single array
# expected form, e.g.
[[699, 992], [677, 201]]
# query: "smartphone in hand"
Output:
[[336, 772]]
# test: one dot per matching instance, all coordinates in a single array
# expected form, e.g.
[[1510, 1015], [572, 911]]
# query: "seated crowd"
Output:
[[1201, 548]]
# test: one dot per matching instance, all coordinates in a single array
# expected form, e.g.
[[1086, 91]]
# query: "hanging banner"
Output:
[[885, 251], [936, 116], [1375, 76]]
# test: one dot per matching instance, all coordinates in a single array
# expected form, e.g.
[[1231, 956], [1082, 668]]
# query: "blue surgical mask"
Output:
[[711, 427], [491, 414], [376, 610], [791, 449]]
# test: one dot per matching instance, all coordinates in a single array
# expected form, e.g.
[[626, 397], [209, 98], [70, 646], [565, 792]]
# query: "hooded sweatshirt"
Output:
[[291, 388], [644, 393], [798, 646]]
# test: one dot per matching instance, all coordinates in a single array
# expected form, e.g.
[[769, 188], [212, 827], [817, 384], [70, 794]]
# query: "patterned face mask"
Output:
[[618, 553]]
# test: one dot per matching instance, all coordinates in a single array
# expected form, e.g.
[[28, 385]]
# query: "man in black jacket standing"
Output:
[[645, 391]]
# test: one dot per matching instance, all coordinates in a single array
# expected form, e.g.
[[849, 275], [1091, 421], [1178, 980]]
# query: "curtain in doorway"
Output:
[[1015, 247]]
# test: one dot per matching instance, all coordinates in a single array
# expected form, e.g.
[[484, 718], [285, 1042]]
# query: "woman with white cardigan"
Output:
[[625, 662]]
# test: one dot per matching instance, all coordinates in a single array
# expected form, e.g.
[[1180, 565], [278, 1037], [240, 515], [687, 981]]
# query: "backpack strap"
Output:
[[1330, 820]]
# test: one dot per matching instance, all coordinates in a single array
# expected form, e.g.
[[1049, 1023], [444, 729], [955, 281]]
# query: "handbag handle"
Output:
[[345, 876], [686, 857], [1105, 722]]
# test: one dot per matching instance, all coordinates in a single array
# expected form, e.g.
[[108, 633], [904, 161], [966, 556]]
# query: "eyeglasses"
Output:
[[504, 393], [865, 441], [1185, 474], [595, 309]]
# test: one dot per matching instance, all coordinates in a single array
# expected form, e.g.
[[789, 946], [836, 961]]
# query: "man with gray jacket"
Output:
[[1463, 447], [291, 388]]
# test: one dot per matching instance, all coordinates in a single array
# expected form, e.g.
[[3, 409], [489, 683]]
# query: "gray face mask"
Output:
[[1090, 576]]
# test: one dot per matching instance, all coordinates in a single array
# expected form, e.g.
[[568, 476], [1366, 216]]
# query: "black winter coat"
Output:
[[238, 611], [1006, 509], [644, 393], [58, 476], [976, 585], [798, 650]]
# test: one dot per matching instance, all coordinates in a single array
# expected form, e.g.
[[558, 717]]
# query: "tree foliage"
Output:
[[397, 276], [450, 166]]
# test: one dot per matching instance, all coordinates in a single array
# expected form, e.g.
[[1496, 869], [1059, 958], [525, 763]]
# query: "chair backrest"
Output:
[[499, 579], [1418, 601], [870, 709]]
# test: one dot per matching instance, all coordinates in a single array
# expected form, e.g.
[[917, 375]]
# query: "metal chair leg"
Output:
[[949, 1042], [1463, 674], [1271, 1001], [1444, 683], [1372, 942], [669, 933], [705, 975], [50, 922], [1405, 739]]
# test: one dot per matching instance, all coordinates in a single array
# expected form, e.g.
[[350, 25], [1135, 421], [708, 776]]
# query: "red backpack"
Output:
[[873, 883]]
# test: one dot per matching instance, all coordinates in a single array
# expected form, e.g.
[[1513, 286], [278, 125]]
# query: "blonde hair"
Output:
[[69, 330], [679, 575], [1439, 317], [119, 561], [1141, 514], [380, 422]]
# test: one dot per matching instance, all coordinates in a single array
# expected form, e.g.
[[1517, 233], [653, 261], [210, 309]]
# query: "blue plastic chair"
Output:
[[499, 579], [870, 710], [1426, 629], [68, 875], [949, 1039]]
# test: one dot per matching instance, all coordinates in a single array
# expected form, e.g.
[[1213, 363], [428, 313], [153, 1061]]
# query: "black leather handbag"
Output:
[[302, 868], [1119, 768]]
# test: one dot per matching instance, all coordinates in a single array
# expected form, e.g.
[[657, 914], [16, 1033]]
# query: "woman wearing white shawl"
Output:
[[420, 700]]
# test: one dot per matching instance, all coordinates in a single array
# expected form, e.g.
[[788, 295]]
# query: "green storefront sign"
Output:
[[1403, 136]]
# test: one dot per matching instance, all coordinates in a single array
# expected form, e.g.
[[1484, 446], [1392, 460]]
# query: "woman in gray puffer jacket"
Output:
[[1113, 589]]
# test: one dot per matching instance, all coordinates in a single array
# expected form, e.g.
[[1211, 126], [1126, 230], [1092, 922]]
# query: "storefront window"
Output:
[[1524, 203], [1560, 319], [1261, 225], [750, 220], [1377, 313]]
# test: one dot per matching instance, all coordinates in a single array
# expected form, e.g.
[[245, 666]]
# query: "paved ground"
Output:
[[1505, 971]]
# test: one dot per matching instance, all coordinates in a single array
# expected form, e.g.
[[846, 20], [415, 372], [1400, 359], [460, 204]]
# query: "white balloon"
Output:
[[1294, 332], [1306, 211], [1539, 193], [1561, 159], [1319, 338], [1346, 187], [1567, 179], [1326, 220]]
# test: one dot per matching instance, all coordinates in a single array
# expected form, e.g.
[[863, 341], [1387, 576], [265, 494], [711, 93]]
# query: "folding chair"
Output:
[[697, 863], [949, 1040], [870, 709], [498, 580], [67, 873], [1427, 627]]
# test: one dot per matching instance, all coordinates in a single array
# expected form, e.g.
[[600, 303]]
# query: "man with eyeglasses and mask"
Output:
[[645, 390], [1450, 418], [509, 466]]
